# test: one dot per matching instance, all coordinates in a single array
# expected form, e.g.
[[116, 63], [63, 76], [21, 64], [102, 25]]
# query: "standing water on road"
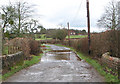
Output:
[[59, 64], [58, 54]]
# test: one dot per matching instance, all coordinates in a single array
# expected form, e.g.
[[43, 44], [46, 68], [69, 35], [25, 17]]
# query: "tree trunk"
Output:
[[19, 25]]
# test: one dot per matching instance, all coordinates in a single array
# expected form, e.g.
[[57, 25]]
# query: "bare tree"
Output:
[[15, 16], [24, 13], [109, 19]]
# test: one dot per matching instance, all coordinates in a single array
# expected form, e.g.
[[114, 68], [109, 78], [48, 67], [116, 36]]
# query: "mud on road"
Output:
[[59, 65]]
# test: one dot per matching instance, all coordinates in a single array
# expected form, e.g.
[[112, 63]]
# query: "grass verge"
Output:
[[26, 64], [47, 49], [77, 36], [108, 77], [37, 39], [43, 37]]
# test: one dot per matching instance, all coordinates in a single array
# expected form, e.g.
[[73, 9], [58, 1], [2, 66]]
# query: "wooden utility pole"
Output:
[[68, 34], [88, 23]]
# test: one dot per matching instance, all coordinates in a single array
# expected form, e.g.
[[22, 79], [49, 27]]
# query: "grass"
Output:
[[108, 77], [42, 37], [77, 36], [47, 47], [26, 64], [71, 36], [37, 39]]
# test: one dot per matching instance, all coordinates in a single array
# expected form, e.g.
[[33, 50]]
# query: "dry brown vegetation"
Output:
[[27, 45], [100, 43]]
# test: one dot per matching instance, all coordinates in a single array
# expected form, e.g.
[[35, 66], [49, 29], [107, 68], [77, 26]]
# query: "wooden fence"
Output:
[[11, 49]]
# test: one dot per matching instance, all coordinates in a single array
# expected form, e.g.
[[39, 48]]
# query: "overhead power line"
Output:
[[77, 13]]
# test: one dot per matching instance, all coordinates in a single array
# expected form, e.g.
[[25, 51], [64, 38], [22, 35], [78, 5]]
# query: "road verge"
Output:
[[27, 63]]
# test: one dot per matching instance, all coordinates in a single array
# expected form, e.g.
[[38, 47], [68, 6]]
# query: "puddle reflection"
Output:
[[59, 55]]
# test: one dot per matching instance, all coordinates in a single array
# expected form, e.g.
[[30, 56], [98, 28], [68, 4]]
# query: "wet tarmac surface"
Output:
[[59, 65]]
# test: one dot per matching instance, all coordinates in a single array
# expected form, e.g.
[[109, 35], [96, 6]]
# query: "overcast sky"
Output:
[[52, 13]]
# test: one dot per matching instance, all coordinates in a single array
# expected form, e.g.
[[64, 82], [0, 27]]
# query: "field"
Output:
[[77, 36], [42, 37]]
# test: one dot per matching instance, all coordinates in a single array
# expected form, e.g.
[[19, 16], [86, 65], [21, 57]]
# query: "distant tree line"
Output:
[[58, 33]]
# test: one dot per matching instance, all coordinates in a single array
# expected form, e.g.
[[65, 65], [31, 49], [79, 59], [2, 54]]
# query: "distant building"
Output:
[[71, 32]]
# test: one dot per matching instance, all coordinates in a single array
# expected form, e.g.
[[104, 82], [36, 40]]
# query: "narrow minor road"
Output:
[[58, 65]]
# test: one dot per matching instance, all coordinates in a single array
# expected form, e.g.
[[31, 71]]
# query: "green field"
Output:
[[77, 36], [42, 37], [71, 36]]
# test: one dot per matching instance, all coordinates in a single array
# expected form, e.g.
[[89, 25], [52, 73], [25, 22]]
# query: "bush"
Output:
[[27, 45], [100, 43], [57, 34], [34, 47], [61, 34]]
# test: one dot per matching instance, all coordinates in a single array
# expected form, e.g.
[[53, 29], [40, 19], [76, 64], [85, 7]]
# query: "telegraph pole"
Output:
[[68, 34], [88, 23]]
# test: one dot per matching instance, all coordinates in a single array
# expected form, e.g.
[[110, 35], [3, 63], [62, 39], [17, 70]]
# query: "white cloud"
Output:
[[56, 12]]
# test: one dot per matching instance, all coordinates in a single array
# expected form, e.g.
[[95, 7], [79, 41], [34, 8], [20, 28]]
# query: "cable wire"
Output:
[[77, 12]]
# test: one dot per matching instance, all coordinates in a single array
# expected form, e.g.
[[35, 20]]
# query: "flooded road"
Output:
[[58, 65]]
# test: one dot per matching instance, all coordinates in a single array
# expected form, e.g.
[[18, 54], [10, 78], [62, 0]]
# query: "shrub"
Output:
[[57, 34], [100, 43], [27, 45], [34, 47], [61, 34]]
